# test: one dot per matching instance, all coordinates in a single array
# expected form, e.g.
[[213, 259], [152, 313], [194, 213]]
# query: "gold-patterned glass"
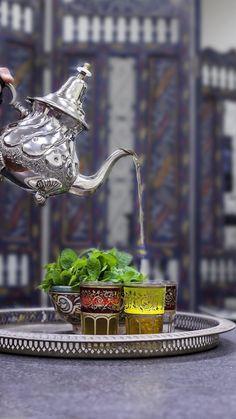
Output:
[[170, 306], [100, 308]]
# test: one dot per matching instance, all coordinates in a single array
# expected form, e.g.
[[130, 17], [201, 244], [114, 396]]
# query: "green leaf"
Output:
[[109, 259], [50, 266], [74, 281], [88, 252], [76, 287], [46, 284], [67, 258], [94, 268], [78, 265], [104, 267], [124, 275], [55, 275], [124, 258], [65, 277], [84, 278]]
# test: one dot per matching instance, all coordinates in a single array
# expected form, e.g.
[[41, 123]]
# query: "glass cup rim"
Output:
[[63, 289], [152, 284], [100, 284], [171, 284]]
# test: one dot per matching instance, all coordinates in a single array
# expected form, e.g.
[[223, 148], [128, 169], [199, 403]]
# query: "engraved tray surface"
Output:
[[40, 332]]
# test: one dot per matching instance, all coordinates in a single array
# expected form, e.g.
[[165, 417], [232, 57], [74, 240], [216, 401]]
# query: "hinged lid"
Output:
[[69, 97]]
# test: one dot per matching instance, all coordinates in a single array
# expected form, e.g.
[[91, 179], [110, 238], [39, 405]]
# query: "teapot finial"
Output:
[[84, 71]]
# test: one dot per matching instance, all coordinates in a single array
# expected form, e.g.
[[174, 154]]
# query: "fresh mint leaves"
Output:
[[91, 265]]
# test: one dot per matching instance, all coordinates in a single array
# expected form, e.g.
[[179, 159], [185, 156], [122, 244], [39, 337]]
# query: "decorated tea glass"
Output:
[[66, 301], [170, 306], [144, 307], [100, 308]]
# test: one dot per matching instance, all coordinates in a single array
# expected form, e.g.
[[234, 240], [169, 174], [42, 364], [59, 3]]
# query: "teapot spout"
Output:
[[86, 185]]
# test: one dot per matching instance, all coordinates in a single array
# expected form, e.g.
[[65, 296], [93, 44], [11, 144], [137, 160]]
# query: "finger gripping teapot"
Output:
[[38, 152]]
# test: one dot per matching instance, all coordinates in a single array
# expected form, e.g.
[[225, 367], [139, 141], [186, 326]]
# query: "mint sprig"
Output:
[[93, 264]]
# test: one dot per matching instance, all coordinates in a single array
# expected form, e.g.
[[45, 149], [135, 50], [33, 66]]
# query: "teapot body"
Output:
[[38, 152]]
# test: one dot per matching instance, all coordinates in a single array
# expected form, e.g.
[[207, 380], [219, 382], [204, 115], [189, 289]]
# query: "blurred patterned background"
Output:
[[162, 85]]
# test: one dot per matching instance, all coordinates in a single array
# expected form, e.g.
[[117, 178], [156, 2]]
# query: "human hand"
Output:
[[6, 75]]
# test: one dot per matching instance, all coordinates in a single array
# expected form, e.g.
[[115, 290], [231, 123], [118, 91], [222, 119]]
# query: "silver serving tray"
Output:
[[39, 332]]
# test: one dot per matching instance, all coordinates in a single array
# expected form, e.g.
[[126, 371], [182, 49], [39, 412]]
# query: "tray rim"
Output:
[[223, 326]]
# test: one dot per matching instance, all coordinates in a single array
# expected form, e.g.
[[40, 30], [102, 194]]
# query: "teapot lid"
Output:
[[69, 97]]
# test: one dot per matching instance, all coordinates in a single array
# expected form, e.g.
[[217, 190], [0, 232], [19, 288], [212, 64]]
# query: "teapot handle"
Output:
[[11, 88], [23, 112]]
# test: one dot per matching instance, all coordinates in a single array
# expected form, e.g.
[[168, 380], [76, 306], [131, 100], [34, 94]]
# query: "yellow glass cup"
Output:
[[144, 307]]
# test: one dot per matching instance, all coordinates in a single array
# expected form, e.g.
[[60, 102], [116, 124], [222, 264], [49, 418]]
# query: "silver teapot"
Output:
[[38, 152]]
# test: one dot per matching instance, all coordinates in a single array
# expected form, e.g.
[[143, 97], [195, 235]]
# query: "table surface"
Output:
[[193, 386]]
